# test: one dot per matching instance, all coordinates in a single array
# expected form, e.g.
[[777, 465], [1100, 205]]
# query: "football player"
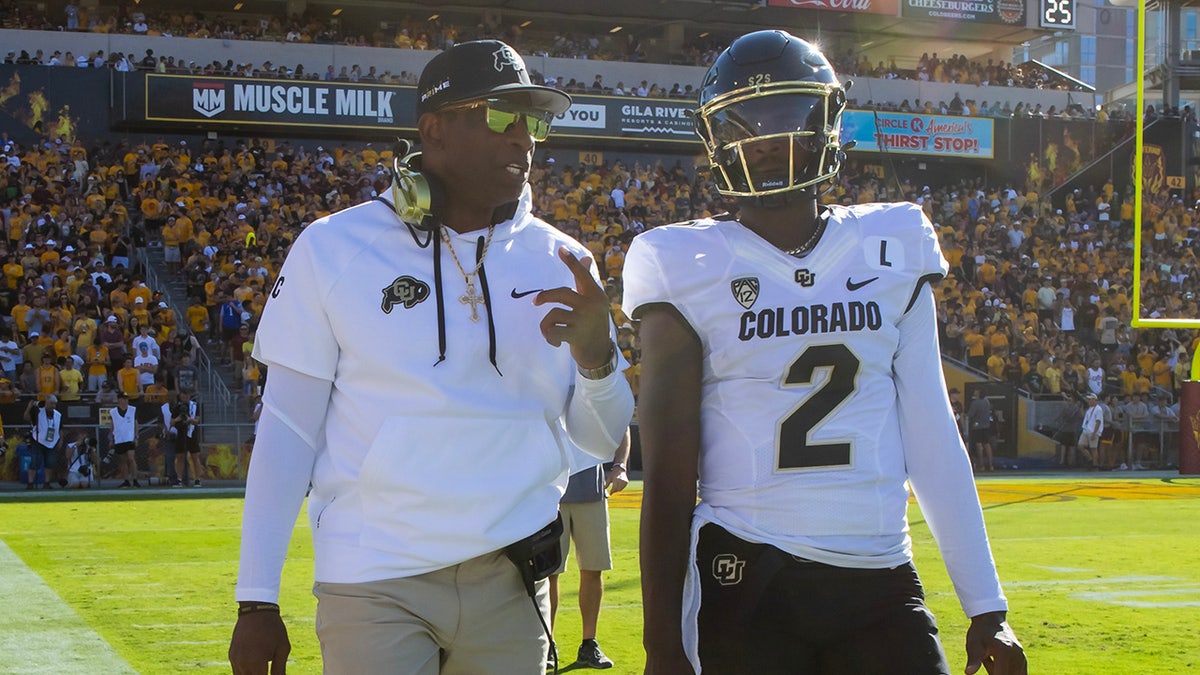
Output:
[[791, 365]]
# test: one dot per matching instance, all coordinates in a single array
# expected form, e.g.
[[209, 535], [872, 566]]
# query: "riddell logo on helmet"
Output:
[[208, 98]]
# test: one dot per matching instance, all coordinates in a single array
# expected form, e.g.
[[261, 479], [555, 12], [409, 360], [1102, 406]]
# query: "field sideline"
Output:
[[1100, 571]]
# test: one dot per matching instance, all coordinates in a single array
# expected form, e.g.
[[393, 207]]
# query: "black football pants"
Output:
[[764, 612]]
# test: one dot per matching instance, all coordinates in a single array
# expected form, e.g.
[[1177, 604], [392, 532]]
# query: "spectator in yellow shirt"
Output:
[[127, 380], [48, 381], [96, 357], [974, 341], [71, 380], [1053, 377], [996, 364]]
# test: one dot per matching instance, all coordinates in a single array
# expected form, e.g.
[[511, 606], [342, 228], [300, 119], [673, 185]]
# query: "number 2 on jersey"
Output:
[[795, 450]]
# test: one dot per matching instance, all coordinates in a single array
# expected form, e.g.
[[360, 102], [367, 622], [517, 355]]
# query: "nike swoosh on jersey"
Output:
[[522, 294], [852, 285]]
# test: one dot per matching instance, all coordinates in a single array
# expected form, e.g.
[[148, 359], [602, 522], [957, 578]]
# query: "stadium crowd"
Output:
[[435, 34], [1037, 296], [229, 211]]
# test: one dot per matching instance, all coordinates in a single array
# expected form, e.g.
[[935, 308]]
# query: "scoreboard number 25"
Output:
[[1058, 14]]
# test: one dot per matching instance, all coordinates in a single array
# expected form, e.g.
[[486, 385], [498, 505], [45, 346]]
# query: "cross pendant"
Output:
[[470, 298]]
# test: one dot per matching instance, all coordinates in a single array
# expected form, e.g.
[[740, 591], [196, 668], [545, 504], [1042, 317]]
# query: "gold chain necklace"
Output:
[[470, 297]]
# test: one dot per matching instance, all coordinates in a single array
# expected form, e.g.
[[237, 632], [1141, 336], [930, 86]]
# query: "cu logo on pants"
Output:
[[727, 569]]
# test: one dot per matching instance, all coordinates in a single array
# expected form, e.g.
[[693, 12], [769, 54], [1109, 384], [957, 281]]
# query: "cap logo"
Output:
[[433, 91], [506, 56]]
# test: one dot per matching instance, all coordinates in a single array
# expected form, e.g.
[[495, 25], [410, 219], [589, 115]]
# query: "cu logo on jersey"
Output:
[[745, 291], [727, 569], [405, 291], [805, 278]]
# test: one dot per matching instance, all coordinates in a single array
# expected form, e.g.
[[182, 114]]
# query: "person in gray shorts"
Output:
[[584, 510]]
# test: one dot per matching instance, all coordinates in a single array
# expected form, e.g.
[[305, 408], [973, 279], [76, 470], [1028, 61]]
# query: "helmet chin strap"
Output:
[[779, 199]]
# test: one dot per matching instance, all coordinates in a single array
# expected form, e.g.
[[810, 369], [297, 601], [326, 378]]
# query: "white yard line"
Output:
[[1101, 581], [40, 633], [1143, 591]]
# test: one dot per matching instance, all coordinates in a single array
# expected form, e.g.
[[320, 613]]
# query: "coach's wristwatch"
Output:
[[605, 370], [619, 466]]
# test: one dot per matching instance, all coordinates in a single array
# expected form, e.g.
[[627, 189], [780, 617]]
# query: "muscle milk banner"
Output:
[[222, 100], [361, 109]]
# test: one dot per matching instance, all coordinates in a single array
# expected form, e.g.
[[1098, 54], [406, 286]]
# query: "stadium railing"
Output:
[[224, 451], [317, 57], [213, 390]]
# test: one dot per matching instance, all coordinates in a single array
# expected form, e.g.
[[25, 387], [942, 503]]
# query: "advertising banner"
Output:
[[627, 118], [1189, 428], [221, 101], [37, 101], [888, 7], [357, 109], [1051, 151], [918, 134], [1008, 12]]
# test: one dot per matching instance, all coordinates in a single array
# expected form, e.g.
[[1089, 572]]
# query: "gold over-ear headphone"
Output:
[[419, 198], [411, 196], [413, 193]]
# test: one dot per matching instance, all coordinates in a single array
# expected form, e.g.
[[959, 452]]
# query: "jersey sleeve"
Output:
[[295, 331], [644, 281], [932, 265], [939, 469]]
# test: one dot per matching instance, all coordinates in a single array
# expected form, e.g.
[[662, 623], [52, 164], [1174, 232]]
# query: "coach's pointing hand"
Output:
[[583, 322], [992, 644], [259, 637]]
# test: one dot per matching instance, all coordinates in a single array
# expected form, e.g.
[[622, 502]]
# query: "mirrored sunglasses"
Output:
[[501, 115]]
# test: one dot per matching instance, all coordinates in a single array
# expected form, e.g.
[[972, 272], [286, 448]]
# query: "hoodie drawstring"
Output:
[[441, 305], [437, 283], [487, 304]]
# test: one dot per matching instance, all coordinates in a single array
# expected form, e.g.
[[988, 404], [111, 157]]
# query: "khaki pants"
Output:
[[473, 618]]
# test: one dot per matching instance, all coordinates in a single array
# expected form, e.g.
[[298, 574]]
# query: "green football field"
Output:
[[1102, 575]]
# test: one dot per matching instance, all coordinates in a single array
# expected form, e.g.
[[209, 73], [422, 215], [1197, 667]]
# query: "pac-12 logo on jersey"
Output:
[[406, 291], [745, 291], [727, 569]]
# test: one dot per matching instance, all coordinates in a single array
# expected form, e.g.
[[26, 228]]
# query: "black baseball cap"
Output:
[[474, 70]]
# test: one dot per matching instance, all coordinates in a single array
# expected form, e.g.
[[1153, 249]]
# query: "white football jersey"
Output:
[[818, 372]]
